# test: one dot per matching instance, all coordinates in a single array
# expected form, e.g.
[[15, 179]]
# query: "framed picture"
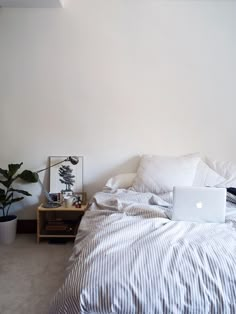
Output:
[[56, 197], [81, 196], [64, 176]]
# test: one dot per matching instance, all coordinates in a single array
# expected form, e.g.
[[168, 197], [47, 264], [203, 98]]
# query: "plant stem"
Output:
[[7, 211]]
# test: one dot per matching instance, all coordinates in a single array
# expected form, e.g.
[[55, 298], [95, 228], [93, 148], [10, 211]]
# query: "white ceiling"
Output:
[[32, 3]]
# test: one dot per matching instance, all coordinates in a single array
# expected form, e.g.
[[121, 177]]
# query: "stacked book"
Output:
[[57, 225]]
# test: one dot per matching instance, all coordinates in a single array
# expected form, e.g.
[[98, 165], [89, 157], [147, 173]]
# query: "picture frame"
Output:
[[75, 173], [56, 197], [82, 196]]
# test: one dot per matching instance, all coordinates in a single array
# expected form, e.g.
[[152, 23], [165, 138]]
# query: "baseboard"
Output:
[[27, 226]]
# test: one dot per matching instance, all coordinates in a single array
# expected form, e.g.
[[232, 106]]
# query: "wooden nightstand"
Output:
[[68, 219]]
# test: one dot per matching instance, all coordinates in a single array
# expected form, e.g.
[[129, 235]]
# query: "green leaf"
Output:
[[29, 176], [13, 168], [14, 200], [6, 183], [2, 198], [4, 173], [9, 197], [20, 191], [2, 192]]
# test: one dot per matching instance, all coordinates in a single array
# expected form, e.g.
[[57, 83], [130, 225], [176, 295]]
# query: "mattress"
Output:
[[129, 257]]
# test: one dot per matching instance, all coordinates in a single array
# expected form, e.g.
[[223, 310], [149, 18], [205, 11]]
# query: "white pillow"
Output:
[[226, 169], [205, 176], [159, 174], [120, 181]]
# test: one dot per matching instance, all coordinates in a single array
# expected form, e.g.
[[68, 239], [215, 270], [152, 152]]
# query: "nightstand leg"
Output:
[[38, 226]]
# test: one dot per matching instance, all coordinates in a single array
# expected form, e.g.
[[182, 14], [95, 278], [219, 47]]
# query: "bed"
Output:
[[130, 257]]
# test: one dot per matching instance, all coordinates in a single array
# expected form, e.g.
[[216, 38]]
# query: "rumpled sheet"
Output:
[[129, 257]]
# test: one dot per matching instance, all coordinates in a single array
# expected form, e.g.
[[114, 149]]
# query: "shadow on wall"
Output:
[[99, 182], [29, 204]]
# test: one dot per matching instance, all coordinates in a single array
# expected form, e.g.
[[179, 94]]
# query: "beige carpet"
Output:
[[30, 274]]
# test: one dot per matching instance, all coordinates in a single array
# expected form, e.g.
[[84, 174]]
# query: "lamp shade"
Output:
[[73, 159]]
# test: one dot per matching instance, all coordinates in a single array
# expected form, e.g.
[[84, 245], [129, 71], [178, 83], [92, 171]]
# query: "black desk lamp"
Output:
[[50, 203]]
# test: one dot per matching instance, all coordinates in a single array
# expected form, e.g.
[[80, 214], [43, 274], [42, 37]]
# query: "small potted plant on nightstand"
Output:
[[7, 198]]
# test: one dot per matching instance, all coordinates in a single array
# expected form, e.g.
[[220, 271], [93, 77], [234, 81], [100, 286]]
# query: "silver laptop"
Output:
[[199, 204]]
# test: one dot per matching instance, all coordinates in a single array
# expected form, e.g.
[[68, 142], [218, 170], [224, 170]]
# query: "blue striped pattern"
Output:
[[129, 258]]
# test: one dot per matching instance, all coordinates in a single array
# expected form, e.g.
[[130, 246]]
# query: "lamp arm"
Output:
[[45, 192], [60, 162]]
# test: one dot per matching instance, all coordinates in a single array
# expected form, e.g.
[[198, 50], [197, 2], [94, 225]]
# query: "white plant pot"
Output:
[[8, 230]]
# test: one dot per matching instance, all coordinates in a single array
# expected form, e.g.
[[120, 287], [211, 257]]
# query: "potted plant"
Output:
[[10, 195]]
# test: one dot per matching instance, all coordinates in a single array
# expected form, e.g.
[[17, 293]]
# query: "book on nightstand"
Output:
[[63, 227]]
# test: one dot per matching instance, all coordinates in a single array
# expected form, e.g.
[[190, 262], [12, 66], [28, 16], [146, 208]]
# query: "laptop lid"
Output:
[[199, 204]]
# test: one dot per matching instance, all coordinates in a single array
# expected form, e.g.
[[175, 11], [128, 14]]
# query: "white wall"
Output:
[[113, 79]]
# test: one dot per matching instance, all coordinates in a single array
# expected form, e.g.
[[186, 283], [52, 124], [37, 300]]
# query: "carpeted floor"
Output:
[[30, 274]]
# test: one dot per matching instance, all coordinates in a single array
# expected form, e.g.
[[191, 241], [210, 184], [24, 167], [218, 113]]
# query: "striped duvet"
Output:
[[129, 257]]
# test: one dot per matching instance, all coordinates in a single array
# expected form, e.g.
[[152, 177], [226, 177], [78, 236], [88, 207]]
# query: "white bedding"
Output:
[[129, 257]]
